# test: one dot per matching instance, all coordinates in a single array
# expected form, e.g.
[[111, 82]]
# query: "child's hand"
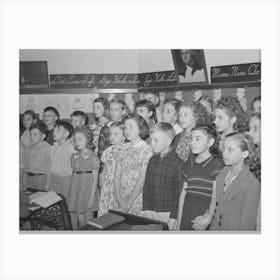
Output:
[[201, 222]]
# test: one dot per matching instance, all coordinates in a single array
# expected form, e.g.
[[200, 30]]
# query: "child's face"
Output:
[[36, 136], [222, 120], [49, 118], [60, 133], [98, 109], [116, 111], [80, 140], [27, 121], [159, 141], [131, 130], [255, 130], [151, 97], [186, 118], [200, 142], [257, 106], [77, 121], [143, 112], [206, 105], [169, 114], [232, 154], [116, 135]]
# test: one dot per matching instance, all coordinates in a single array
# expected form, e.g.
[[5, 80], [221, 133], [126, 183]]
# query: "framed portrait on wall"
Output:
[[190, 66]]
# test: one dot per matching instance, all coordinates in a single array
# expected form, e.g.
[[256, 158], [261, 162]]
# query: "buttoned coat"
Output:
[[236, 209]]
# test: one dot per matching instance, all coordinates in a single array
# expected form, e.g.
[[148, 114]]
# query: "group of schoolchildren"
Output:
[[194, 166]]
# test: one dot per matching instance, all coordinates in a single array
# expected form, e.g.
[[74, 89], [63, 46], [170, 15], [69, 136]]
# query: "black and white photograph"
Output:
[[139, 140], [190, 66], [135, 151]]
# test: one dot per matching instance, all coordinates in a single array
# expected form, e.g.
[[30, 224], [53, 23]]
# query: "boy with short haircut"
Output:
[[36, 158], [170, 113], [78, 119], [61, 152], [164, 177], [50, 117]]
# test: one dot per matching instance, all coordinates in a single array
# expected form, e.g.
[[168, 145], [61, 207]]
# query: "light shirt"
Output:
[[178, 129], [61, 159], [198, 76], [37, 158]]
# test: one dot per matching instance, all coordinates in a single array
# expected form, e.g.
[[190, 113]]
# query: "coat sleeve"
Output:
[[250, 205]]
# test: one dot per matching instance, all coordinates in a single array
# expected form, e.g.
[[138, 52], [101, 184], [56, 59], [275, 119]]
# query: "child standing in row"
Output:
[[78, 119], [170, 113], [61, 153], [100, 113], [85, 164], [50, 117], [164, 179], [131, 166], [36, 159], [201, 173], [109, 159], [190, 115], [147, 110], [237, 190], [29, 117], [118, 111], [154, 98], [229, 118]]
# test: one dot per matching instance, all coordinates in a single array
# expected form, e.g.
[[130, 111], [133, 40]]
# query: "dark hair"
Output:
[[66, 126], [142, 125], [86, 131], [119, 124], [105, 104], [257, 98], [123, 104], [196, 62], [233, 108], [166, 128], [150, 106], [209, 100], [210, 132], [52, 109], [80, 114], [245, 143], [175, 103], [31, 113], [40, 125], [200, 113]]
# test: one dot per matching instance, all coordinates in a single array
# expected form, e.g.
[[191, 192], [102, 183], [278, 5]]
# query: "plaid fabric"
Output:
[[163, 183]]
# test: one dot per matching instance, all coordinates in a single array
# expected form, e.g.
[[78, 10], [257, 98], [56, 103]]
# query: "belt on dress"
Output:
[[81, 172], [34, 174]]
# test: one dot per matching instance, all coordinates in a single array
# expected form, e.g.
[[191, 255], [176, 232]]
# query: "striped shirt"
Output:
[[200, 176]]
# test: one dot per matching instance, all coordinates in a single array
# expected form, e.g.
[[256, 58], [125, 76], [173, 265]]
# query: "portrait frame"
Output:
[[196, 72]]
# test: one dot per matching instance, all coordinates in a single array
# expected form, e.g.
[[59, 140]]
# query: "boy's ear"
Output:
[[67, 133], [43, 135], [211, 142], [245, 154], [150, 114]]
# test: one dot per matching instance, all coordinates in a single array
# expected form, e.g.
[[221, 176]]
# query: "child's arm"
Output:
[[138, 187], [93, 190], [48, 168], [120, 201], [181, 205], [202, 222]]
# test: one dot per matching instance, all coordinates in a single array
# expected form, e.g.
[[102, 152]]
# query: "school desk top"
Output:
[[131, 222]]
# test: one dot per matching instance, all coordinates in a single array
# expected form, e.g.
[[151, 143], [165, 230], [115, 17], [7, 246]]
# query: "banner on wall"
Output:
[[237, 73], [108, 81]]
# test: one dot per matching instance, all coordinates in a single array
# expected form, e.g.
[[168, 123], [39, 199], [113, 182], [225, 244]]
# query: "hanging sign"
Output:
[[237, 73]]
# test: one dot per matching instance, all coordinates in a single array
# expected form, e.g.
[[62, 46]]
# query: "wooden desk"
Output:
[[130, 220]]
